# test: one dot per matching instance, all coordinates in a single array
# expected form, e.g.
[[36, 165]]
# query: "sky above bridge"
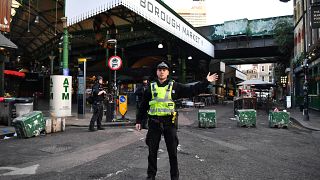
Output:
[[219, 11]]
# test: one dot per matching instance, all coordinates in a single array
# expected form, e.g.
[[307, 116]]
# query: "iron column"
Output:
[[305, 91]]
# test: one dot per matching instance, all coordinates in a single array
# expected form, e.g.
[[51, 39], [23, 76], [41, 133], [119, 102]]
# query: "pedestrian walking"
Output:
[[158, 103], [139, 94], [98, 96]]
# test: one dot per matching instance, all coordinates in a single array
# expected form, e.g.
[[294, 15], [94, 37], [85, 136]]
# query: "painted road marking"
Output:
[[20, 171], [222, 143]]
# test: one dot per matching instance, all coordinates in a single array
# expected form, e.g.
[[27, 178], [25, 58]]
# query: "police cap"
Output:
[[162, 65], [98, 78]]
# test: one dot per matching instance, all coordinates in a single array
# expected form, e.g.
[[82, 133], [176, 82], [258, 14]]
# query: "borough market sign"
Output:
[[152, 10]]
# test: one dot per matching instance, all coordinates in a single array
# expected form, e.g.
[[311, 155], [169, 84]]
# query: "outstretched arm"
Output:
[[213, 77], [184, 91]]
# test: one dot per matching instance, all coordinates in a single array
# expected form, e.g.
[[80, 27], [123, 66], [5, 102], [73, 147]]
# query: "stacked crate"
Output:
[[246, 117], [207, 118], [29, 125], [279, 119]]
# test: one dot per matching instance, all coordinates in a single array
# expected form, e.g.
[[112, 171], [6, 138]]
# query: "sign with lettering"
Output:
[[60, 95], [152, 10], [315, 16]]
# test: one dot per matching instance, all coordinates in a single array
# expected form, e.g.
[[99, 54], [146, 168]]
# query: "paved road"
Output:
[[225, 152]]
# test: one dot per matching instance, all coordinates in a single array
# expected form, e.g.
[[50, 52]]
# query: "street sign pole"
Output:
[[115, 87], [82, 87], [114, 63]]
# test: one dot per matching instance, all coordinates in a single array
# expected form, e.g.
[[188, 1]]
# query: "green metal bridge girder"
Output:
[[257, 27]]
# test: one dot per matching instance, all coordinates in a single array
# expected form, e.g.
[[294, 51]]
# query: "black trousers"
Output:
[[97, 115], [144, 120], [153, 138]]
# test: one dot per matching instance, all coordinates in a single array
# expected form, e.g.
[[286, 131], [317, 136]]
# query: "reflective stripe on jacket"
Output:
[[161, 103]]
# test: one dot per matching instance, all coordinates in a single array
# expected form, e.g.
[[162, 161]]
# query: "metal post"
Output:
[[115, 87], [82, 87], [183, 69], [65, 47], [51, 57], [305, 91], [2, 57], [60, 59]]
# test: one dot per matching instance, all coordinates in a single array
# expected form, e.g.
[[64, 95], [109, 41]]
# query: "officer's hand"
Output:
[[138, 127], [101, 92], [212, 77]]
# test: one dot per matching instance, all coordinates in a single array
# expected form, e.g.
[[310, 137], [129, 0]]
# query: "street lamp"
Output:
[[305, 90], [283, 81]]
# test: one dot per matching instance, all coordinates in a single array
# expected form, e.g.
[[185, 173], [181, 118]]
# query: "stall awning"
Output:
[[6, 43], [14, 73], [152, 10]]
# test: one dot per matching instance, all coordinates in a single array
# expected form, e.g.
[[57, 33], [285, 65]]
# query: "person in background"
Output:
[[97, 105], [139, 94], [158, 103]]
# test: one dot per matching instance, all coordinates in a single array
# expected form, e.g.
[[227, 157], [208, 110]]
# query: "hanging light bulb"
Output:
[[37, 19], [160, 46]]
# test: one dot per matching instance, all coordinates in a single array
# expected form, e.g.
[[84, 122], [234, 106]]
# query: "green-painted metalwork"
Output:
[[257, 27], [65, 45], [314, 102], [65, 50]]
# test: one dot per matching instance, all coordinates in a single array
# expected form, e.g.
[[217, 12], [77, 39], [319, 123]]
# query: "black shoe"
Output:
[[91, 129], [101, 128], [150, 177]]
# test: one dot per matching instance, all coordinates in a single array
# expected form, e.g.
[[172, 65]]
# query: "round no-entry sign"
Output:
[[114, 63]]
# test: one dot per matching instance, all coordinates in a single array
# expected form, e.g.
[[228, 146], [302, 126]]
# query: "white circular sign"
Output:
[[114, 63]]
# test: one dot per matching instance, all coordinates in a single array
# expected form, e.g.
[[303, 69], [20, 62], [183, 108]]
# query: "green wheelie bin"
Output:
[[30, 124]]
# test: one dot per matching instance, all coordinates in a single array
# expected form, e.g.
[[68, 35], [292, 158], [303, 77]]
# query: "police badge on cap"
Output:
[[162, 65]]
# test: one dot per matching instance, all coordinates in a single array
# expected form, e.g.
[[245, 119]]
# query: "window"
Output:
[[270, 67], [270, 79], [262, 68], [262, 77]]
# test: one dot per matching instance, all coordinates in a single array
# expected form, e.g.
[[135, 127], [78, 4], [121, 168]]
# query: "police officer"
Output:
[[98, 97], [158, 102]]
